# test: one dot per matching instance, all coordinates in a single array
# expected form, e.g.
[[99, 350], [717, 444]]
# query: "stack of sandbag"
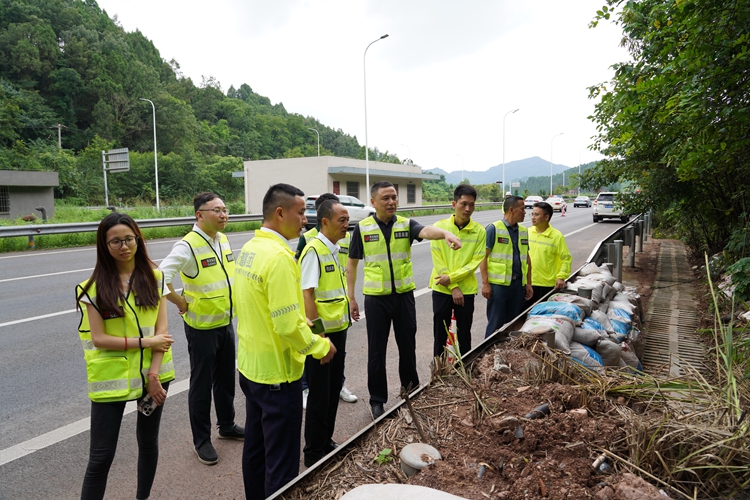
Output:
[[562, 317]]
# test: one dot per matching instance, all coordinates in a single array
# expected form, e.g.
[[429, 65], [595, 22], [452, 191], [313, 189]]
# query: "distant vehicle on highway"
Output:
[[529, 202], [357, 210], [607, 206], [582, 201], [558, 203]]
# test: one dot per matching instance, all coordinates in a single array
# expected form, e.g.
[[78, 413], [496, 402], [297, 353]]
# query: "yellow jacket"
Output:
[[273, 334], [459, 264], [550, 257]]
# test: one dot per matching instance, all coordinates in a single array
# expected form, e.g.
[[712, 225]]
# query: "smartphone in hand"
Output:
[[147, 405], [317, 326]]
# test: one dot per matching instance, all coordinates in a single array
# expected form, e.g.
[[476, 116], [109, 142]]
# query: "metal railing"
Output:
[[88, 227]]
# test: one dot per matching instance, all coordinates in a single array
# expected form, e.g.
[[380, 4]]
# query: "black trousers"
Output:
[[324, 382], [212, 366], [539, 292], [106, 419], [270, 455], [442, 306], [381, 311]]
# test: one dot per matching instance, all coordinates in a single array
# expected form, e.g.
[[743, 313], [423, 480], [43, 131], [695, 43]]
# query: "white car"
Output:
[[607, 206], [529, 202], [357, 210], [558, 204]]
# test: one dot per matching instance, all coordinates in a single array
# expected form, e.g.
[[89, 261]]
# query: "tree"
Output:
[[674, 120]]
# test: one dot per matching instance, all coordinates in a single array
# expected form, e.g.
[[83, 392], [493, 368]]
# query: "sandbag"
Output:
[[630, 358], [589, 268], [592, 324], [621, 329], [618, 286], [562, 325], [603, 320], [586, 356], [619, 314], [636, 341], [609, 351], [604, 269], [572, 311], [586, 337], [595, 286], [623, 304], [607, 278], [585, 304]]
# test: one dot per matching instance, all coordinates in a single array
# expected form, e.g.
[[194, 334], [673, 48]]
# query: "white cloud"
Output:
[[440, 83]]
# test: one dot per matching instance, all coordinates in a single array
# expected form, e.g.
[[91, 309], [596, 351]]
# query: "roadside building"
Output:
[[332, 174], [22, 191]]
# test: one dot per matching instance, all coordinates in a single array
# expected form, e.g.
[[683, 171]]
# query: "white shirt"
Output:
[[180, 259], [310, 266]]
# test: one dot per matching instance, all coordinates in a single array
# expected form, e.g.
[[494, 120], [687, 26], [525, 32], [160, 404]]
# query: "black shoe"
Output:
[[377, 410], [332, 445], [233, 432], [206, 454], [310, 461]]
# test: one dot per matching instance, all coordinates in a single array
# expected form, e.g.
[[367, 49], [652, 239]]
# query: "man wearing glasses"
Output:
[[205, 262]]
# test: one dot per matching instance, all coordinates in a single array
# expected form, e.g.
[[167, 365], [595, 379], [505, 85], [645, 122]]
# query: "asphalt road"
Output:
[[44, 408]]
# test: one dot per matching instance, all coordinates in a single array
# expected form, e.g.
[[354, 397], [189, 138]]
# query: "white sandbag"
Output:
[[604, 269], [585, 356], [603, 319], [609, 351], [562, 325], [626, 297], [608, 278], [595, 286], [586, 337], [636, 342], [622, 304], [585, 304], [618, 286], [603, 307], [607, 291], [630, 358], [589, 268]]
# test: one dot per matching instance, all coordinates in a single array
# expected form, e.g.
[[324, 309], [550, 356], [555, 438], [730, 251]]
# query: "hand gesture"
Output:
[[331, 352], [161, 343]]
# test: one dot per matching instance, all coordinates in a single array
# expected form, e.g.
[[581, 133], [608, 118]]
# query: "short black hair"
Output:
[[510, 202], [325, 210], [279, 195], [203, 198], [380, 184], [325, 197], [546, 207], [464, 190]]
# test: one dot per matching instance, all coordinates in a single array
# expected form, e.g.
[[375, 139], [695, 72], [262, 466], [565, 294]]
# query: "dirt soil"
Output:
[[491, 449]]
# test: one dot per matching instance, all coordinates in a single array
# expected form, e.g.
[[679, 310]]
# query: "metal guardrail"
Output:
[[88, 227]]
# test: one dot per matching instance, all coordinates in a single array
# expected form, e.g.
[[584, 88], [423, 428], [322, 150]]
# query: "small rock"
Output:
[[579, 413], [621, 400], [524, 388], [632, 487]]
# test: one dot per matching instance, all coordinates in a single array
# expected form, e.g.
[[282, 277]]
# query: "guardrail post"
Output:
[[610, 252], [618, 260], [631, 249], [640, 236], [32, 245], [646, 225]]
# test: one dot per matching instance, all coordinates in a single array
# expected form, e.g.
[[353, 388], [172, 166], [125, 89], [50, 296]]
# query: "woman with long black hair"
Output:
[[123, 332]]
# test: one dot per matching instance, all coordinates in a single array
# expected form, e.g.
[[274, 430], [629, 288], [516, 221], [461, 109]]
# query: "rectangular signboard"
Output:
[[118, 160]]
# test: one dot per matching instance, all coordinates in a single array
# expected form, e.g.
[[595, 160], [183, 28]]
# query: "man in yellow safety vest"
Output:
[[506, 268], [548, 252], [205, 263], [324, 291], [274, 340], [384, 242]]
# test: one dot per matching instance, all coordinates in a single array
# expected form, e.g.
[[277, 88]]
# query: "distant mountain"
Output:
[[518, 170]]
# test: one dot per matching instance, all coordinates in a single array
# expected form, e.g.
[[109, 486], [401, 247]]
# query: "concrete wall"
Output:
[[28, 190], [311, 175]]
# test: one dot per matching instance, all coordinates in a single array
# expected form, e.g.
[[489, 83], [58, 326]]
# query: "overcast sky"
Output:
[[437, 87]]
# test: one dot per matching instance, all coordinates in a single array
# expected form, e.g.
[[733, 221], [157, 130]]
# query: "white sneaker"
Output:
[[304, 398], [347, 396]]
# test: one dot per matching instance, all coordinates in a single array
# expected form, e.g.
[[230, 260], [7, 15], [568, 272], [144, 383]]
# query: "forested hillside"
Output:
[[66, 62]]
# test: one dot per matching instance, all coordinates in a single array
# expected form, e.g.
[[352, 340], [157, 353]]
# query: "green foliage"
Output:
[[674, 120], [384, 456], [740, 271]]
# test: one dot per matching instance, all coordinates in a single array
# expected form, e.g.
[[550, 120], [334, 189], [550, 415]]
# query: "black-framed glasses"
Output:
[[116, 244], [215, 210]]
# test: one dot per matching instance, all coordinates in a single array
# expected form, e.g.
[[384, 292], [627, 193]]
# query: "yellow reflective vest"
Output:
[[331, 300], [209, 293], [500, 260], [459, 264], [120, 375], [273, 334], [343, 244], [550, 257], [381, 258]]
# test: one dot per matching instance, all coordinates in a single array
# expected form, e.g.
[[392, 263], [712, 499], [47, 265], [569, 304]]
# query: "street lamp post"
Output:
[[462, 169], [506, 114], [579, 170], [551, 150], [156, 160], [367, 146], [316, 131]]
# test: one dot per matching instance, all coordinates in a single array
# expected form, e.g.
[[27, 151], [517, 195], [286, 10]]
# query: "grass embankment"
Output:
[[65, 214]]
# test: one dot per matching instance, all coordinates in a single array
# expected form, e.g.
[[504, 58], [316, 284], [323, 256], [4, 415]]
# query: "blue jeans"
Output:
[[505, 303]]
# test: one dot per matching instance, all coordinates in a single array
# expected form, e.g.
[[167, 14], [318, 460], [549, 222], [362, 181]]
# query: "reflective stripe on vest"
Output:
[[119, 375], [331, 300], [500, 260], [378, 279], [209, 293]]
